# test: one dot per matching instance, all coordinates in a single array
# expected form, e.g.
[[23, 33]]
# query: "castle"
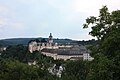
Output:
[[37, 45], [65, 51]]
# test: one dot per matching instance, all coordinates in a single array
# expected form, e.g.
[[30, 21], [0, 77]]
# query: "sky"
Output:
[[39, 18]]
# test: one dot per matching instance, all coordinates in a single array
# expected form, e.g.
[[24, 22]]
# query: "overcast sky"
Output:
[[38, 18]]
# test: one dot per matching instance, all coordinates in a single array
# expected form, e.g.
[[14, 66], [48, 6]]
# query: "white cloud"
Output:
[[82, 36], [3, 9], [2, 22], [8, 18], [7, 23], [91, 7], [83, 6], [17, 25], [43, 16]]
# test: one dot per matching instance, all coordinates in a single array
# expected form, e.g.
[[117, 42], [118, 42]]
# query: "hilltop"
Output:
[[24, 41]]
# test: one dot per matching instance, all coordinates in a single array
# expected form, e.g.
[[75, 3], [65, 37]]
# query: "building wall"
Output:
[[86, 56], [64, 57], [3, 48], [33, 46]]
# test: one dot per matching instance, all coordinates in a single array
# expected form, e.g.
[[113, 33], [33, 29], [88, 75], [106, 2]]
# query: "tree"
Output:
[[75, 70], [14, 70], [100, 69], [106, 28], [17, 52], [11, 69]]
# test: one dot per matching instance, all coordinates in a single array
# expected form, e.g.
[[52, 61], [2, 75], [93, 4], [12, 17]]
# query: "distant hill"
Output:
[[24, 41], [89, 42]]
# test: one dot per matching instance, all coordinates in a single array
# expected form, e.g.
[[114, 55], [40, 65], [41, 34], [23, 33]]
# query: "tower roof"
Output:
[[50, 35]]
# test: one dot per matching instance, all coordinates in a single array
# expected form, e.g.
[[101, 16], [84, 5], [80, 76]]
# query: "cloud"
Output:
[[8, 18], [92, 7], [5, 11], [82, 36], [2, 22], [39, 17], [16, 25], [3, 8], [7, 23]]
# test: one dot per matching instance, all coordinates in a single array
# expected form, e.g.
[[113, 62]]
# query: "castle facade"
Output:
[[65, 52], [37, 45]]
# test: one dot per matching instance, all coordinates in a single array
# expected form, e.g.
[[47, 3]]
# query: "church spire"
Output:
[[50, 35]]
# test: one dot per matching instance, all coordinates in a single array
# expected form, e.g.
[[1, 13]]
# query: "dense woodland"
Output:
[[106, 53]]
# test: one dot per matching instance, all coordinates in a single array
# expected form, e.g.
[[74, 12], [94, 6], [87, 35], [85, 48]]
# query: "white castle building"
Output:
[[65, 52], [37, 45]]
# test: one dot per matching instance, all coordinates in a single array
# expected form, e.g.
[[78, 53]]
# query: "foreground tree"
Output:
[[106, 28], [75, 70], [17, 52], [11, 69]]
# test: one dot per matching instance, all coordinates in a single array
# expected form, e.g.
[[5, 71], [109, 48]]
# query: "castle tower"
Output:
[[50, 40]]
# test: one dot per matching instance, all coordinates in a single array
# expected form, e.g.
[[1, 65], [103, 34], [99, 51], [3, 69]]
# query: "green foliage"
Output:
[[100, 68], [17, 52], [14, 64], [36, 55], [15, 70], [106, 27], [103, 24], [75, 70]]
